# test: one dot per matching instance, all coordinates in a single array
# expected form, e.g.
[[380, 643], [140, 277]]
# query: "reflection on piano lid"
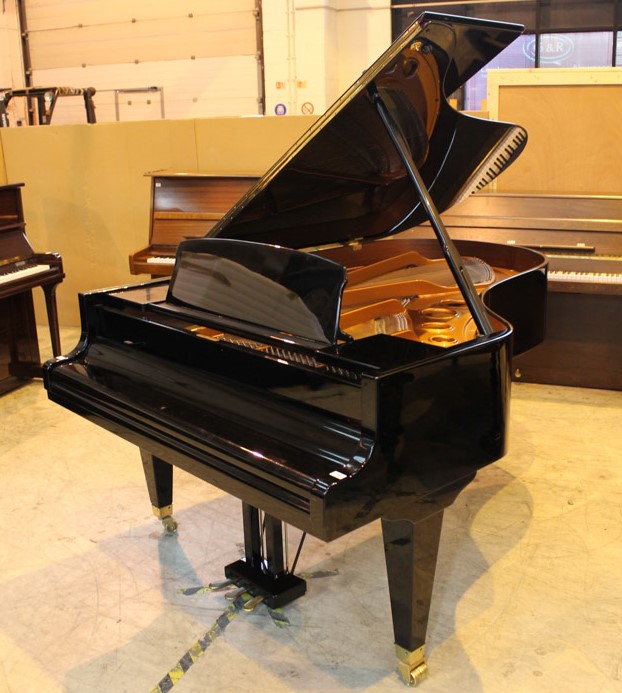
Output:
[[259, 367]]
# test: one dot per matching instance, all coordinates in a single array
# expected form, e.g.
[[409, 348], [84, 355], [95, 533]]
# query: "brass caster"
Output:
[[412, 665], [418, 674], [169, 524], [165, 513]]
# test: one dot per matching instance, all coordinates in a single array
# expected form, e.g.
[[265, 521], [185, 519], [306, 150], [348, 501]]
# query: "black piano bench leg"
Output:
[[411, 549], [263, 572], [159, 476]]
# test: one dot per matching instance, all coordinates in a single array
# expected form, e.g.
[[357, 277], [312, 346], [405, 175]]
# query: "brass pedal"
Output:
[[232, 596], [253, 603], [219, 585]]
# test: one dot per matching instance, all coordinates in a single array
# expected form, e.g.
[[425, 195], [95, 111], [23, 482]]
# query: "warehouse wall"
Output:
[[201, 54], [11, 68], [205, 57]]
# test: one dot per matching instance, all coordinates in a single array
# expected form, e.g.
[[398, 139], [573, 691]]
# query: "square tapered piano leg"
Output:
[[411, 549], [159, 476]]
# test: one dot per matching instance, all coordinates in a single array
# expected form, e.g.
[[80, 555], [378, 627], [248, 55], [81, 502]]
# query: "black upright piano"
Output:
[[311, 362]]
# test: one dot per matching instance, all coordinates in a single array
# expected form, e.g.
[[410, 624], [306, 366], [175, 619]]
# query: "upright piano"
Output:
[[581, 236], [21, 270], [323, 374], [184, 204]]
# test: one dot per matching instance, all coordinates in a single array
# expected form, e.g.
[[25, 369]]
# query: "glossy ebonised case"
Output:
[[317, 430]]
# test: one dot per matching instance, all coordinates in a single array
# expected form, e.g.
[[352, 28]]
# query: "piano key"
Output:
[[160, 260], [17, 273], [587, 277]]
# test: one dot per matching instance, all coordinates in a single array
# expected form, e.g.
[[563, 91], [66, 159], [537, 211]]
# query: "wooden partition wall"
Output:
[[86, 195], [572, 117]]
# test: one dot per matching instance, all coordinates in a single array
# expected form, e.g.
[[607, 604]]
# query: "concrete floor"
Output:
[[94, 597]]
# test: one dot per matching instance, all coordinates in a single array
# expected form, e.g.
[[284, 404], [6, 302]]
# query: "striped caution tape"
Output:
[[279, 618], [200, 646], [319, 574]]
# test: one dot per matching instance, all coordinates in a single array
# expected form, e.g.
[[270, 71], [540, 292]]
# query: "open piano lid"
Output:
[[344, 179], [348, 178]]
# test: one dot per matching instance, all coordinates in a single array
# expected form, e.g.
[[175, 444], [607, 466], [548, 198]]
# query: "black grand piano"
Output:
[[325, 375]]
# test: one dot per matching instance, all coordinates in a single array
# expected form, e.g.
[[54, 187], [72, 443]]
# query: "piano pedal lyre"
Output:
[[165, 514], [412, 665]]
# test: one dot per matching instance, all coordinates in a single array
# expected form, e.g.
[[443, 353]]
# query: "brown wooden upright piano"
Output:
[[21, 270], [184, 204], [581, 235]]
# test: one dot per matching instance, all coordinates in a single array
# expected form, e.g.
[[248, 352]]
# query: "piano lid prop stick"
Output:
[[471, 297]]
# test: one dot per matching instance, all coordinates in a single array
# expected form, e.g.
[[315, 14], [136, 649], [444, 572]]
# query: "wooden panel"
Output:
[[188, 195], [169, 232], [566, 146], [3, 178], [86, 195], [573, 121], [583, 347], [19, 348], [187, 206]]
